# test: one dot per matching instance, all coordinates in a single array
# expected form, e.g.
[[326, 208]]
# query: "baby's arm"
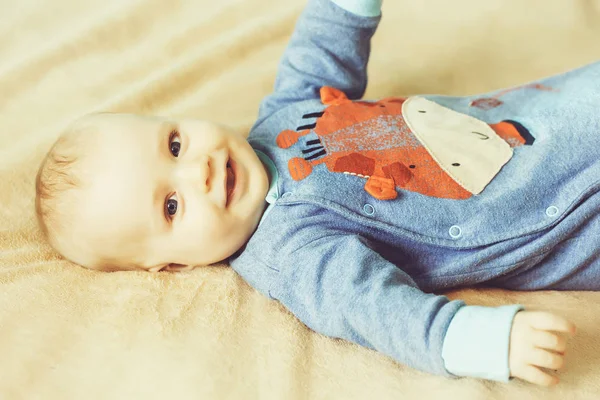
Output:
[[338, 286], [330, 46]]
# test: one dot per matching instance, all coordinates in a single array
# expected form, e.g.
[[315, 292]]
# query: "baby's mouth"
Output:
[[230, 182]]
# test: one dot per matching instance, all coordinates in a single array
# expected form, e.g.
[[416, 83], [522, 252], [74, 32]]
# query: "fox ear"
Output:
[[332, 96]]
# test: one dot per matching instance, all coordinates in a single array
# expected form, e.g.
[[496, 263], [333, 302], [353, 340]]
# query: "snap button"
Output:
[[551, 211], [369, 209], [455, 231], [286, 194]]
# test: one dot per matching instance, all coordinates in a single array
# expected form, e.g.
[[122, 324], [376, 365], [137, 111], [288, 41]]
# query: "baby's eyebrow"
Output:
[[163, 132]]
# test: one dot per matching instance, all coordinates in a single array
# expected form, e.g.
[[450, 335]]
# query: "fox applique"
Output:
[[408, 143]]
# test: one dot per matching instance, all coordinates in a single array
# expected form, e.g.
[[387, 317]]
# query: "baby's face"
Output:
[[187, 192]]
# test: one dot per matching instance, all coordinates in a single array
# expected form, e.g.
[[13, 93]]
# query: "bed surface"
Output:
[[71, 333]]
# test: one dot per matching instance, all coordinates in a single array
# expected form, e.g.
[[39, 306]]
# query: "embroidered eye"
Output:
[[174, 143], [422, 111], [411, 166], [482, 136], [170, 207], [455, 164]]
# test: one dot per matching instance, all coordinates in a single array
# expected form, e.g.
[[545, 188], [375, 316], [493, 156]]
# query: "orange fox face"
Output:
[[373, 141]]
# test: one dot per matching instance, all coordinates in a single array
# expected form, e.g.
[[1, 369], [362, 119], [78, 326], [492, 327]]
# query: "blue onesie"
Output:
[[374, 205]]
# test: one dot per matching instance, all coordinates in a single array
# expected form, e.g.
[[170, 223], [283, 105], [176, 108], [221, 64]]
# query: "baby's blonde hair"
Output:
[[58, 185]]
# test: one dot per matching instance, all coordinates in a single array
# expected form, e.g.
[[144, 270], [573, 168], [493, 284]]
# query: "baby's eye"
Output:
[[174, 143], [170, 207]]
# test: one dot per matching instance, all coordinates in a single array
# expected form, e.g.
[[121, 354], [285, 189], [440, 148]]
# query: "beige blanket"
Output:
[[70, 333]]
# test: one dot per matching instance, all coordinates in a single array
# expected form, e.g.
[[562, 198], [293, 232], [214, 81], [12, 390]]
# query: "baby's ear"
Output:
[[178, 268]]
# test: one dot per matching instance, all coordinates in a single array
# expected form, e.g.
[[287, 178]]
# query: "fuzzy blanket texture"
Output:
[[71, 333]]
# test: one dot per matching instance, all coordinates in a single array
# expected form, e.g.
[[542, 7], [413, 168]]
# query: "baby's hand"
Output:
[[533, 344]]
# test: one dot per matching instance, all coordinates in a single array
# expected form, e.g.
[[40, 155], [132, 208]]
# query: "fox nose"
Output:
[[197, 174]]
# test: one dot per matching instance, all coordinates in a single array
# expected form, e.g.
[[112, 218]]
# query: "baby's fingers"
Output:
[[549, 340], [546, 359], [550, 322], [535, 375]]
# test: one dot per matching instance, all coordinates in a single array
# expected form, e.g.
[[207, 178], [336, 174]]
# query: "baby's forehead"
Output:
[[101, 133], [120, 171], [116, 202]]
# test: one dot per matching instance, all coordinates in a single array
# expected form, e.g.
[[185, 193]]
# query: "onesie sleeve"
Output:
[[330, 46], [338, 286]]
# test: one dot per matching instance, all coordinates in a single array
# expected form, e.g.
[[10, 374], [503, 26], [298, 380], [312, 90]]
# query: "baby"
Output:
[[351, 213]]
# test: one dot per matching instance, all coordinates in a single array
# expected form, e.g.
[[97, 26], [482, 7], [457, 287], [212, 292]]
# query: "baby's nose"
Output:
[[197, 174]]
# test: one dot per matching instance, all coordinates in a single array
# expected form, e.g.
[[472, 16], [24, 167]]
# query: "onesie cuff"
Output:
[[477, 342], [363, 8]]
